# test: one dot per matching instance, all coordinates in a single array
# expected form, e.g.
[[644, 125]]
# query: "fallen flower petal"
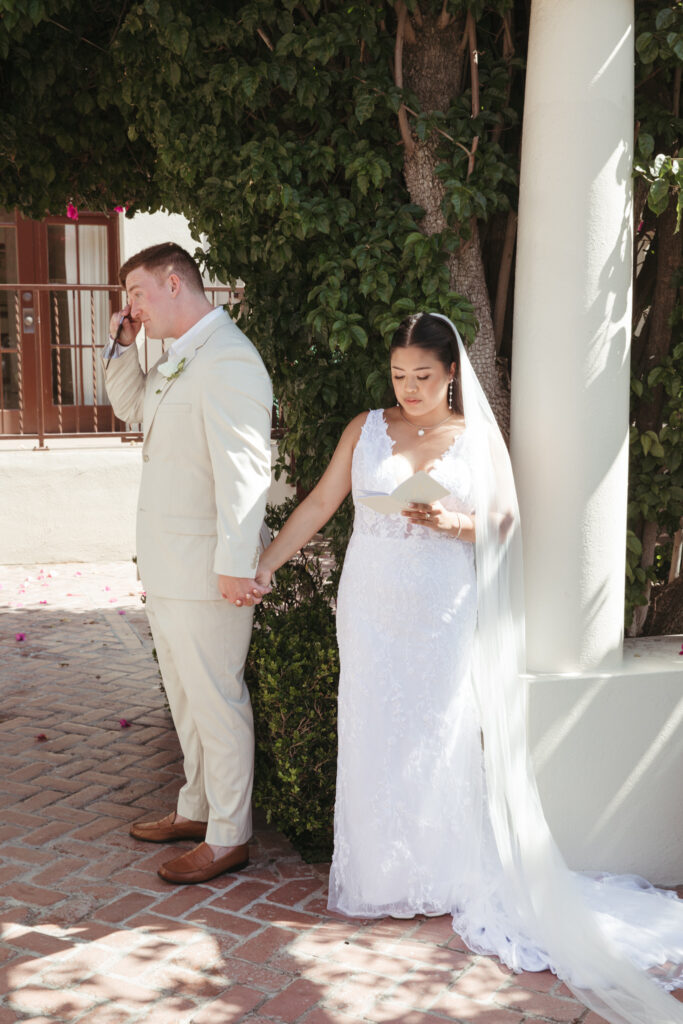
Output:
[[41, 737], [19, 637], [42, 602], [124, 723], [121, 611]]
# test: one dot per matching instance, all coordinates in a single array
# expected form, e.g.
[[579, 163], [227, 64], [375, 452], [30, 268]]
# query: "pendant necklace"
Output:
[[421, 430]]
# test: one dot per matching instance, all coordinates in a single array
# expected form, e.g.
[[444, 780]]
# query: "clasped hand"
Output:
[[433, 516], [240, 591]]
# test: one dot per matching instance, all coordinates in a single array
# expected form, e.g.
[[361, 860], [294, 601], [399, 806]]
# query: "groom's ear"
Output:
[[174, 284]]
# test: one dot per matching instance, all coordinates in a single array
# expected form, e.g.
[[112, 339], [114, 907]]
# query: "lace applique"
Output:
[[375, 468]]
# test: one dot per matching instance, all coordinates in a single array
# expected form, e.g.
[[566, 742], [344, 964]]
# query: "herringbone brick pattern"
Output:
[[91, 935]]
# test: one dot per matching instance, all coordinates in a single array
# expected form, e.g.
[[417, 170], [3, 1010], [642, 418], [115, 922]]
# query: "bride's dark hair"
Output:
[[433, 334]]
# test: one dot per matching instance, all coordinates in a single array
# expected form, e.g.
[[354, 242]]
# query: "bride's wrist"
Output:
[[458, 525]]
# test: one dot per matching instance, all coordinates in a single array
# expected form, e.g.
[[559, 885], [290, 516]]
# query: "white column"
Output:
[[570, 371]]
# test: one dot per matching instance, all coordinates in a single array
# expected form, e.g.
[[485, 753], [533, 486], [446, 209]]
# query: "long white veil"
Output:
[[544, 894]]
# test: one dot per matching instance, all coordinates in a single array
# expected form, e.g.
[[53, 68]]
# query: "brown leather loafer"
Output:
[[167, 830], [199, 865]]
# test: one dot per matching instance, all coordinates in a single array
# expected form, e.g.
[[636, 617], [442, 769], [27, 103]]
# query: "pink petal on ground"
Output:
[[42, 602], [19, 637], [41, 737], [121, 611], [79, 573], [124, 723], [107, 588]]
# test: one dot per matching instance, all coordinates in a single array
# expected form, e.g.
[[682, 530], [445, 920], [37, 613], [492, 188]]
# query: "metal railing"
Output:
[[51, 374]]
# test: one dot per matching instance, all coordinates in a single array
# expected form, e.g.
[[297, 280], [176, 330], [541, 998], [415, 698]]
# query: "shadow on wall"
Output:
[[608, 754]]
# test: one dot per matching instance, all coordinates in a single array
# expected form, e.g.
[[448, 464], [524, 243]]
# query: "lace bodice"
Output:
[[376, 468]]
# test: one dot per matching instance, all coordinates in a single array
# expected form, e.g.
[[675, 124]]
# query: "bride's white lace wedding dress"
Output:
[[412, 832]]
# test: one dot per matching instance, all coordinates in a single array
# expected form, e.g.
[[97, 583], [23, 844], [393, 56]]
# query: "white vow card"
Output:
[[419, 487]]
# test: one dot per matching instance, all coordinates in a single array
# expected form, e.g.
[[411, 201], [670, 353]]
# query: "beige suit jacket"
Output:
[[206, 460]]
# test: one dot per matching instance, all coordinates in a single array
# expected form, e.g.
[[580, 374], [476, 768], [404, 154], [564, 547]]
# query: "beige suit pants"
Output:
[[202, 647]]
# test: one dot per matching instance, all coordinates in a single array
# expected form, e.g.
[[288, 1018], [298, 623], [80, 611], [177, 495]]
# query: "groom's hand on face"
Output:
[[123, 328], [241, 591]]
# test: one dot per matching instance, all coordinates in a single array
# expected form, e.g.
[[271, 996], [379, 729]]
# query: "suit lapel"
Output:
[[158, 386]]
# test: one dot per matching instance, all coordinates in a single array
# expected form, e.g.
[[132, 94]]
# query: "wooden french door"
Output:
[[57, 289]]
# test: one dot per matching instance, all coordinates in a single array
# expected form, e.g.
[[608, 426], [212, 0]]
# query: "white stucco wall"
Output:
[[75, 502], [146, 229], [608, 754]]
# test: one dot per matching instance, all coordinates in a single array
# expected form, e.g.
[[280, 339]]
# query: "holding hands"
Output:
[[264, 577], [243, 592]]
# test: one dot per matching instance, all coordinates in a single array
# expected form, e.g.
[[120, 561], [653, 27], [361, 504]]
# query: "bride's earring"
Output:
[[450, 394]]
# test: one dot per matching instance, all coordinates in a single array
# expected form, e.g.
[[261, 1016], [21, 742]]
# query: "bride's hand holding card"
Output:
[[420, 488]]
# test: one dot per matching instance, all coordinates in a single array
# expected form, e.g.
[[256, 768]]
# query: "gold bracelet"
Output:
[[459, 525]]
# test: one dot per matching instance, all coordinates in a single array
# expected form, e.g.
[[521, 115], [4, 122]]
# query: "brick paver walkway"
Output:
[[91, 935]]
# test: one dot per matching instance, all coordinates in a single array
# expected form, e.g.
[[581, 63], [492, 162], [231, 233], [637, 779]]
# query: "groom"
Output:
[[205, 407]]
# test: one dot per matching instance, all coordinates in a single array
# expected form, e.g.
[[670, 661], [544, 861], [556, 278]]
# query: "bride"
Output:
[[437, 809]]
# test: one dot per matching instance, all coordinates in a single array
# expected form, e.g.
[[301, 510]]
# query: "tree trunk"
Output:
[[433, 69], [669, 263], [658, 334], [665, 616]]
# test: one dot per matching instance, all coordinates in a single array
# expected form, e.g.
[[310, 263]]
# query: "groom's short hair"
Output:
[[166, 258]]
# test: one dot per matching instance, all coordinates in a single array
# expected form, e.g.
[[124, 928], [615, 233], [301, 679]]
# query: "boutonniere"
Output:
[[171, 369]]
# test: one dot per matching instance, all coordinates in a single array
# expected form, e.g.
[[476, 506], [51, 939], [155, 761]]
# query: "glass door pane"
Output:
[[9, 317], [77, 255], [61, 269]]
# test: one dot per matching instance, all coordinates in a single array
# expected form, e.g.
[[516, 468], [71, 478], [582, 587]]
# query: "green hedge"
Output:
[[292, 673]]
